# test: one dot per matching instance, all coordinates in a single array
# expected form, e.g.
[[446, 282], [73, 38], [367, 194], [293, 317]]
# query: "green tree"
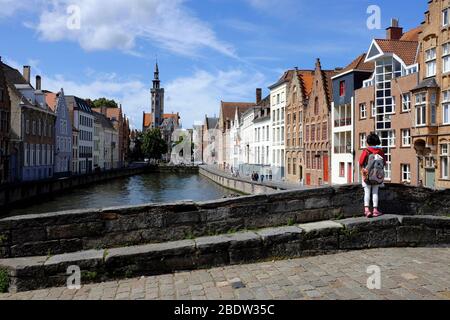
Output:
[[103, 102], [153, 145]]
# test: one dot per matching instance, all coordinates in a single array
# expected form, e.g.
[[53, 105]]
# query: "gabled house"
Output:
[[83, 122], [384, 103], [63, 133], [32, 128], [317, 128], [299, 90]]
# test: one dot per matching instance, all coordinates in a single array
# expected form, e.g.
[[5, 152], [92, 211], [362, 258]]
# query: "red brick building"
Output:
[[5, 115], [317, 129]]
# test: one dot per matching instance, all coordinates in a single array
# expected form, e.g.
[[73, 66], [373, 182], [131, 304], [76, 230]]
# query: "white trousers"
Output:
[[369, 191]]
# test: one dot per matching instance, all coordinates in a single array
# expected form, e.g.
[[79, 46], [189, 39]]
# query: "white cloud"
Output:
[[120, 24], [192, 96], [200, 94]]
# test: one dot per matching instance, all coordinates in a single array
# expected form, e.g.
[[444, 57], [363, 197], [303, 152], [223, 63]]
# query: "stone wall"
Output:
[[295, 241], [71, 231], [239, 185]]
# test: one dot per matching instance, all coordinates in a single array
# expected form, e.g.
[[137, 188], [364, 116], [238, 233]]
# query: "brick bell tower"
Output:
[[157, 99]]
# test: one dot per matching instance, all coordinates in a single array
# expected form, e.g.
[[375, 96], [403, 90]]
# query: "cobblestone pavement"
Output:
[[412, 273]]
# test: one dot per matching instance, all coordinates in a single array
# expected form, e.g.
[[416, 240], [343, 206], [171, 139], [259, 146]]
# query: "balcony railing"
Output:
[[343, 122]]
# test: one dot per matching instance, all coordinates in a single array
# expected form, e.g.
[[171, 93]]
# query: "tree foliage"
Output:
[[153, 145], [103, 102]]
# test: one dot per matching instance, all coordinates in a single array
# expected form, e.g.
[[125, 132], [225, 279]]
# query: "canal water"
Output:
[[136, 190]]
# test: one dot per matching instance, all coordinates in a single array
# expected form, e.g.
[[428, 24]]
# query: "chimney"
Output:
[[38, 83], [258, 95], [104, 110], [27, 73], [394, 32]]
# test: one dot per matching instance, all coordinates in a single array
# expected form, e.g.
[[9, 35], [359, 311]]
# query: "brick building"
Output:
[[431, 98], [317, 142], [5, 115], [32, 141], [299, 90], [383, 105]]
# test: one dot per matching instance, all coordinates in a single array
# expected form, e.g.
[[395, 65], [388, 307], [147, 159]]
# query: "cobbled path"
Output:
[[406, 273]]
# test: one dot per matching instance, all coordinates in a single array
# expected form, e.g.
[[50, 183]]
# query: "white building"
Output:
[[343, 119], [83, 121], [278, 98]]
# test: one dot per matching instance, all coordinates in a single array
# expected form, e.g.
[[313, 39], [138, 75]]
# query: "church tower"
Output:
[[157, 99]]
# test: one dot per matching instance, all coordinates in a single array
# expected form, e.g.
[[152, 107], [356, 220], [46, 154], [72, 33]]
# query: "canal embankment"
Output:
[[243, 184], [19, 193]]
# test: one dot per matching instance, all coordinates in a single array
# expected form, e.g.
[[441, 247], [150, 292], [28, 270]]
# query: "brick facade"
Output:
[[5, 115], [317, 148]]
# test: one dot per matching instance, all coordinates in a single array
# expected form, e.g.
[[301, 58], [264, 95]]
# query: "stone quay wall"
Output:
[[236, 184], [72, 231]]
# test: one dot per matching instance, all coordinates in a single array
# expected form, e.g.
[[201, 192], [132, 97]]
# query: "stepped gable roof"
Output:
[[306, 78], [406, 50], [358, 64]]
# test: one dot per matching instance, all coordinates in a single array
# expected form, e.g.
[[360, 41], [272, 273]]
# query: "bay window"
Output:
[[421, 109]]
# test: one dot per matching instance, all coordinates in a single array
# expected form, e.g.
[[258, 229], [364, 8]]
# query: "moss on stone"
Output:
[[4, 281]]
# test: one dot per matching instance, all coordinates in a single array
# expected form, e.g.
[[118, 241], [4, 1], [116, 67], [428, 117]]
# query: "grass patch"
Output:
[[4, 281], [89, 275], [3, 239]]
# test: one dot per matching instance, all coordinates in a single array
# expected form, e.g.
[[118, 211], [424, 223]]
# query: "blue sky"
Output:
[[208, 50]]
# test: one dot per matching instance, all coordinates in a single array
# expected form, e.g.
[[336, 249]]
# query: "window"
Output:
[[406, 173], [391, 139], [446, 57], [316, 106], [324, 131], [406, 138], [430, 60], [445, 17], [307, 134], [342, 88], [1, 94], [363, 140], [363, 111], [421, 111], [373, 109], [313, 133], [27, 127], [341, 169], [406, 102], [445, 161], [446, 107]]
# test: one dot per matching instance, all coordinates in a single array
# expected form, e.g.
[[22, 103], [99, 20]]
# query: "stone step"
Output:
[[243, 247]]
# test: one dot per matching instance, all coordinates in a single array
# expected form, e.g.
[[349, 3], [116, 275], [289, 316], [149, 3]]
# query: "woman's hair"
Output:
[[373, 140]]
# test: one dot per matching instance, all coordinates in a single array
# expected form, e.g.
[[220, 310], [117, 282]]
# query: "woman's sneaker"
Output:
[[367, 213], [377, 213]]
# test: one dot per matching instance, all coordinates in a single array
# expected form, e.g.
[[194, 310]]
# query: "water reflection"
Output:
[[148, 188]]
